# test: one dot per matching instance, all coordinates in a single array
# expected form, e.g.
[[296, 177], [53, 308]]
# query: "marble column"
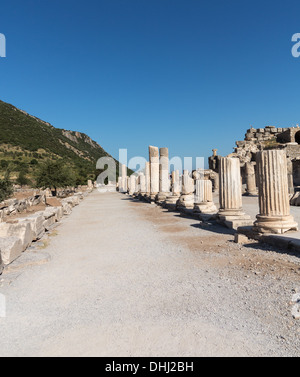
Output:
[[120, 182], [251, 178], [123, 186], [172, 199], [142, 179], [231, 210], [204, 197], [147, 178], [274, 205], [186, 200], [154, 172], [164, 180], [132, 185], [290, 176]]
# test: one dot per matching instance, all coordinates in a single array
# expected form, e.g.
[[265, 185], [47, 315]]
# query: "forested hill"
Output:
[[26, 141]]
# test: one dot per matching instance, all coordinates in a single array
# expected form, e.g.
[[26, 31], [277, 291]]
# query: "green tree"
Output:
[[6, 188], [22, 180], [54, 175]]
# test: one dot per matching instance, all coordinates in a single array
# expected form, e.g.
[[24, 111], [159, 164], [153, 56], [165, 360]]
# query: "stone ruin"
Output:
[[261, 139], [261, 162]]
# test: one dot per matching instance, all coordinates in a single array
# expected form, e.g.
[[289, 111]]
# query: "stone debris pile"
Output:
[[17, 234]]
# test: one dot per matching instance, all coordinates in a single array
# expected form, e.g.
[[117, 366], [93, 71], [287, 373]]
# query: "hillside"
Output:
[[26, 141]]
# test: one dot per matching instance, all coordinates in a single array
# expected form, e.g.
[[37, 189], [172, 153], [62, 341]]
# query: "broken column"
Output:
[[251, 178], [164, 180], [274, 203], [290, 177], [120, 182], [231, 212], [154, 172], [132, 184], [147, 178], [186, 200], [142, 188], [124, 187], [175, 195], [204, 197]]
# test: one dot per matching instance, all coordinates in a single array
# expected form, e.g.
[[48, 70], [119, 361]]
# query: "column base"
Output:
[[275, 224], [186, 201], [251, 193], [206, 208], [171, 202], [161, 197], [233, 219], [152, 197]]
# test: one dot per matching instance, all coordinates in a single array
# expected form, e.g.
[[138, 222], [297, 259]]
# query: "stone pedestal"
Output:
[[274, 206], [204, 197], [231, 212], [251, 179], [172, 199], [186, 200], [154, 172], [164, 181]]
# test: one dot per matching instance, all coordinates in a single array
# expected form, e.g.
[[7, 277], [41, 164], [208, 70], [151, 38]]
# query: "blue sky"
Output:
[[191, 75]]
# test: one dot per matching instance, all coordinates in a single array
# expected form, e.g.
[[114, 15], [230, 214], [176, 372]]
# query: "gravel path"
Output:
[[130, 279]]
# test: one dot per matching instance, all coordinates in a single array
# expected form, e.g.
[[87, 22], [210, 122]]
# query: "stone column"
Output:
[[132, 185], [175, 195], [251, 178], [124, 178], [120, 181], [147, 178], [186, 200], [231, 212], [164, 180], [204, 197], [154, 172], [290, 176], [274, 206], [142, 184]]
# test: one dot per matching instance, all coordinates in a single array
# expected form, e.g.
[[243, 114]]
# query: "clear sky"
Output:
[[190, 75]]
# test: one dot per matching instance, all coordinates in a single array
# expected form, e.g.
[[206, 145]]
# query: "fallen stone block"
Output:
[[10, 248], [241, 239], [49, 218], [73, 200], [67, 208], [21, 230], [79, 195], [36, 222]]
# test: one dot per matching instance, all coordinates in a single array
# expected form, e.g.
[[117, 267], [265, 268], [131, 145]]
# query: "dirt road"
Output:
[[130, 279]]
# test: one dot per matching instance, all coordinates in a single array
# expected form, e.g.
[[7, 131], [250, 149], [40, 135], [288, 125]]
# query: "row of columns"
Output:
[[197, 196]]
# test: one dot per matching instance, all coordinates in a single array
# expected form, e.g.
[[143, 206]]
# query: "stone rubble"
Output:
[[17, 234]]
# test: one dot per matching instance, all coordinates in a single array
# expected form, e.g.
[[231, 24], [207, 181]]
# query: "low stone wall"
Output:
[[16, 206], [16, 235]]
